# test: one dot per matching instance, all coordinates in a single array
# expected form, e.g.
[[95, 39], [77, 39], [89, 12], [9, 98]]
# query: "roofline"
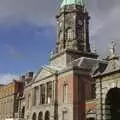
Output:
[[105, 74]]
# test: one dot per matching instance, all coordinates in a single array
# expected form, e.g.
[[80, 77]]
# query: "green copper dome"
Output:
[[69, 2]]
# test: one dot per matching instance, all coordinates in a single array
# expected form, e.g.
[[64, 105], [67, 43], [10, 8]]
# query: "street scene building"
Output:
[[59, 89], [9, 99], [75, 85]]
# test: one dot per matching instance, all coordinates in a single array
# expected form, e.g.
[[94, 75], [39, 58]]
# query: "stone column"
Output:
[[53, 91], [101, 92], [46, 93], [99, 100], [39, 94], [33, 97]]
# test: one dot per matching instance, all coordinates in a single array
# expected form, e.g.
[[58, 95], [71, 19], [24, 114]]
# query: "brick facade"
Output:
[[9, 99]]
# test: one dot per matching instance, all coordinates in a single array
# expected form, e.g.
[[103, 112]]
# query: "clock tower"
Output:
[[73, 26], [72, 31]]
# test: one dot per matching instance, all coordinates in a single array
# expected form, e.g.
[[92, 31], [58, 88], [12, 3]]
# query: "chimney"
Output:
[[22, 78], [28, 76]]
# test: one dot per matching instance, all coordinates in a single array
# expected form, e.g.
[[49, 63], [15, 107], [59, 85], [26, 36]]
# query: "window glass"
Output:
[[42, 96], [69, 34], [49, 92]]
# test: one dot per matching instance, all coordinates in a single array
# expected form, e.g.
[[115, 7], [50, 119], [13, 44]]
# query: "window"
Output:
[[80, 34], [16, 105], [64, 115], [65, 93], [69, 34], [91, 118], [36, 95], [42, 95], [93, 90], [34, 116], [40, 116], [49, 92], [47, 115]]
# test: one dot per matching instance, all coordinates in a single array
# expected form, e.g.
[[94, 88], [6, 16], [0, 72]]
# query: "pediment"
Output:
[[46, 71], [42, 73]]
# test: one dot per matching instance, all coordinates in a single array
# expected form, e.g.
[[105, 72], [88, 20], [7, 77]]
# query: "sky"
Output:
[[28, 32]]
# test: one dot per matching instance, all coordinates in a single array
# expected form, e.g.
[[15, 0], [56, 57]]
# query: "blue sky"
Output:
[[25, 46], [28, 32]]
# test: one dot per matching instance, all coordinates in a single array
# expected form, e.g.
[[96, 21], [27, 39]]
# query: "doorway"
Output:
[[112, 104]]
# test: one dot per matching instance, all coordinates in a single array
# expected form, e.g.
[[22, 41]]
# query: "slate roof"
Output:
[[113, 65]]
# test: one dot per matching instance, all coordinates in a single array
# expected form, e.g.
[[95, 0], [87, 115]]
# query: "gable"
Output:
[[43, 73]]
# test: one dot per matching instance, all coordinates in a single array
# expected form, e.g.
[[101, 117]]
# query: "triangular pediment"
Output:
[[47, 71], [42, 73]]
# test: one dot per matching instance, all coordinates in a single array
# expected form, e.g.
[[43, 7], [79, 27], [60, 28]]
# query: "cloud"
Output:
[[7, 78], [104, 24]]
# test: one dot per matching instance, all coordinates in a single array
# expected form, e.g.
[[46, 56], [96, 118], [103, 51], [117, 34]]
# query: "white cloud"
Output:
[[6, 78]]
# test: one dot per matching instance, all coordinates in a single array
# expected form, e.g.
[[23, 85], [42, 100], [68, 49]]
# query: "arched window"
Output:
[[34, 116], [69, 34], [40, 116], [47, 115]]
